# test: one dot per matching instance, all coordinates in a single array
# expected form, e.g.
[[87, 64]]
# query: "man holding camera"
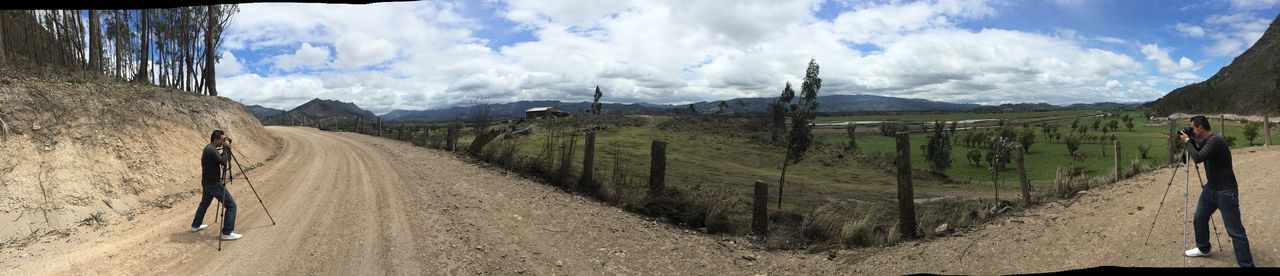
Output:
[[211, 163], [1220, 193]]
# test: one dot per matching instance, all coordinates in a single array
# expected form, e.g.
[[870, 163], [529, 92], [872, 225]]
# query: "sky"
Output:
[[439, 54]]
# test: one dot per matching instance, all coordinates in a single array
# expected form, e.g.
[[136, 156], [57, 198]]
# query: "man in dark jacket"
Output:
[[1220, 193], [211, 164]]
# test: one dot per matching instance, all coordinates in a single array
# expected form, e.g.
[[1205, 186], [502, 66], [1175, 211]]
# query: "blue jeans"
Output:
[[1228, 201], [219, 192]]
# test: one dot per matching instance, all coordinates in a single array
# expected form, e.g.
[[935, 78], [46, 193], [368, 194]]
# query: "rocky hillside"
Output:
[[1247, 86], [81, 150], [323, 112]]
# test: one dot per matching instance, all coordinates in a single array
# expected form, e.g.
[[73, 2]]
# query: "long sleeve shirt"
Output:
[[211, 163], [1216, 156]]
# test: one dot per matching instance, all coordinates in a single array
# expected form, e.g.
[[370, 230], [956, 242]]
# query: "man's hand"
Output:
[[226, 142], [1183, 135]]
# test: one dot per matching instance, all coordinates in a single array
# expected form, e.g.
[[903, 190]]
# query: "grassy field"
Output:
[[1045, 157]]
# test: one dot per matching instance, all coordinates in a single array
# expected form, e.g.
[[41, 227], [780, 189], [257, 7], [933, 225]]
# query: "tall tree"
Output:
[[595, 106], [802, 115], [144, 46], [95, 42]]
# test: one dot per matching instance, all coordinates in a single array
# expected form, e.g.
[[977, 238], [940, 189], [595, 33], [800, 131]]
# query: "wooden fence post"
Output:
[[1022, 176], [760, 210], [1119, 166], [1222, 124], [1173, 138], [379, 126], [906, 197], [588, 162], [657, 167], [1266, 124], [451, 138]]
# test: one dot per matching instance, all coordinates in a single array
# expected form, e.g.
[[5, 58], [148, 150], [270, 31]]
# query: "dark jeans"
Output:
[[1227, 200], [219, 192]]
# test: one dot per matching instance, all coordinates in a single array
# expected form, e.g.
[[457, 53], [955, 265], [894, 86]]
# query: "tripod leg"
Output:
[[251, 188], [224, 222], [1162, 198]]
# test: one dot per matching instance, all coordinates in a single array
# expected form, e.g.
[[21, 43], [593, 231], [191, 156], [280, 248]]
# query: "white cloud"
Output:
[[1166, 65], [306, 56], [1253, 4], [1190, 30], [1234, 33], [1112, 84], [228, 65], [357, 50]]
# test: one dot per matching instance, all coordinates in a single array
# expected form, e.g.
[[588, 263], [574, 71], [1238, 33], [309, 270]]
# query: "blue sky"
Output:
[[428, 55]]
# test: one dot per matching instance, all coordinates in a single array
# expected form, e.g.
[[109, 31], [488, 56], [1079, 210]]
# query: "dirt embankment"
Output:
[[80, 151]]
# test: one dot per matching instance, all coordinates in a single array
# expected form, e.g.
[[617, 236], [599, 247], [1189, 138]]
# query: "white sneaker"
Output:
[[233, 236], [1195, 252], [197, 229]]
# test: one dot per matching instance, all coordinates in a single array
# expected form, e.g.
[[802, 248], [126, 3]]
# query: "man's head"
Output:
[[217, 138], [1201, 126]]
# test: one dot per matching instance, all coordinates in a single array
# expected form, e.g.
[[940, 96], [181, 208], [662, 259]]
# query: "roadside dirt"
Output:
[[354, 204]]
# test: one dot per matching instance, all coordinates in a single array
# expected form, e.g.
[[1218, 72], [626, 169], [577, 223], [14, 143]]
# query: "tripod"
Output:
[[230, 177], [1185, 201]]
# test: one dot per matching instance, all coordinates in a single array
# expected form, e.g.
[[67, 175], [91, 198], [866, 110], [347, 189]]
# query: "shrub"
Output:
[[937, 152]]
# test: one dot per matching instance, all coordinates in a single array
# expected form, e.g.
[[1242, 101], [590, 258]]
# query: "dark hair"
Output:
[[217, 134], [1201, 121]]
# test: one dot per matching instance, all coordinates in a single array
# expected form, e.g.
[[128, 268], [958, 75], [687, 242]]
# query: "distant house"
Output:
[[544, 112]]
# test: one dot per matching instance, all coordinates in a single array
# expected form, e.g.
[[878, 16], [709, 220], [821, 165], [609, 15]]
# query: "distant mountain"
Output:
[[1018, 107], [1247, 86], [1104, 106], [516, 110], [263, 113], [319, 111], [837, 104], [829, 104]]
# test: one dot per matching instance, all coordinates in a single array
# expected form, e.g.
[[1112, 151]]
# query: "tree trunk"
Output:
[[783, 179], [144, 48], [95, 44], [208, 51]]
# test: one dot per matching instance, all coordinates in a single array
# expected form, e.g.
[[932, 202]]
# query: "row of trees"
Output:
[[175, 48]]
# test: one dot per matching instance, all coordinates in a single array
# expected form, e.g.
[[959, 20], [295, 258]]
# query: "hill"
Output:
[[323, 112], [263, 113], [1247, 86]]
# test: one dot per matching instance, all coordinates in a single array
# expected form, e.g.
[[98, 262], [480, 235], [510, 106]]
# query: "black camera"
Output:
[[1188, 130]]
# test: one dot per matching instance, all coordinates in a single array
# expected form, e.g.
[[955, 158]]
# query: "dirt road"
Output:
[[354, 204]]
